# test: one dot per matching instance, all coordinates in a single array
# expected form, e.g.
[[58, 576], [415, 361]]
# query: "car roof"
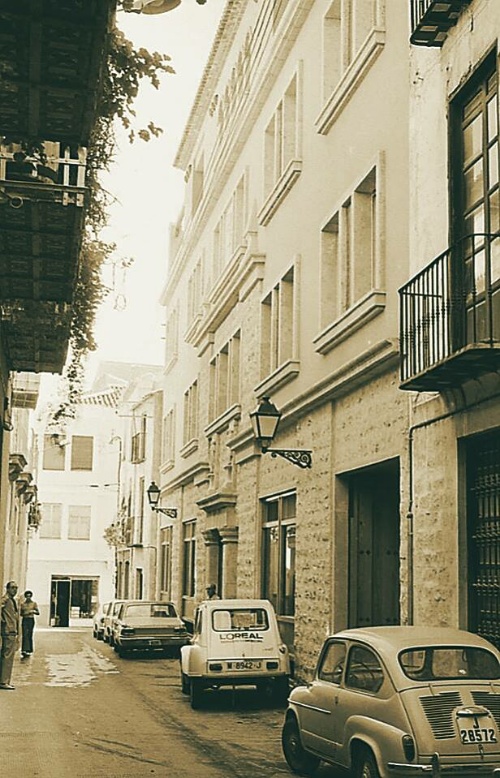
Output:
[[148, 602], [397, 638], [235, 603]]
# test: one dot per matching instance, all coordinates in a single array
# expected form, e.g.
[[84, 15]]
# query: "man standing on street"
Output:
[[9, 630]]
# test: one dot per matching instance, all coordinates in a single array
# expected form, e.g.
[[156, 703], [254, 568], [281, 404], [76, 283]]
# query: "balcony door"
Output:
[[476, 210]]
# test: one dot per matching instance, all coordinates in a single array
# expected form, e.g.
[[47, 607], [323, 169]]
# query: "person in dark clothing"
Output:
[[9, 630], [29, 609]]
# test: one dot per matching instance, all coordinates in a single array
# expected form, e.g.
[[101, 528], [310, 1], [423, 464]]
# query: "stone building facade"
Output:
[[283, 277], [451, 317]]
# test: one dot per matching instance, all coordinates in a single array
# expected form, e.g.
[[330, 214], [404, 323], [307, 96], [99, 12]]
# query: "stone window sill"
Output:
[[371, 305]]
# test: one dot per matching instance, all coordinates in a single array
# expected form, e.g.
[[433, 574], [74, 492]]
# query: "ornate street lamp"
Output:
[[154, 498], [265, 420]]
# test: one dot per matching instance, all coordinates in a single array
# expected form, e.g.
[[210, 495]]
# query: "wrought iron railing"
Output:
[[453, 303]]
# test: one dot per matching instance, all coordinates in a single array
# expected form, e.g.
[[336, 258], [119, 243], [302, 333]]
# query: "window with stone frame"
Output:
[[230, 229], [225, 378], [79, 522], [282, 137], [82, 451], [346, 26], [278, 322], [189, 558], [278, 551], [166, 560], [172, 336], [191, 413], [53, 453], [168, 436], [50, 527], [350, 250]]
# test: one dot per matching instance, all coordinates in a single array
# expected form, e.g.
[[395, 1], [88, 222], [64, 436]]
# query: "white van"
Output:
[[234, 643]]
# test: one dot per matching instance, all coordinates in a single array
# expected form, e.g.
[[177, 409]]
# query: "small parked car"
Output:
[[148, 626], [399, 701], [98, 621], [109, 617], [235, 642]]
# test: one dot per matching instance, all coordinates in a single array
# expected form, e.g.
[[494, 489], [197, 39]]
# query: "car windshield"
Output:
[[449, 662], [150, 610], [232, 619]]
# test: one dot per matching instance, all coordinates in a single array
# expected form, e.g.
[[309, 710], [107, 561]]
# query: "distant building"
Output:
[[71, 566]]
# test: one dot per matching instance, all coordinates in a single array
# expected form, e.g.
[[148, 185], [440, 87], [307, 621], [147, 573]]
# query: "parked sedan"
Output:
[[399, 701], [109, 616], [148, 626], [98, 621]]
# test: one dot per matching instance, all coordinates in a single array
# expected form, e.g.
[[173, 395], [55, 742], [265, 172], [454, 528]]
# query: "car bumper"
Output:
[[436, 769], [151, 643]]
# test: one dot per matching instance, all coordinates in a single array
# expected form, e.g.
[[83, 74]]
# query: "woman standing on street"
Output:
[[29, 609]]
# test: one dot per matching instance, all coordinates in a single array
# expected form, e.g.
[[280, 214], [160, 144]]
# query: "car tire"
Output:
[[105, 638], [195, 693], [298, 759], [366, 766], [184, 683], [99, 636]]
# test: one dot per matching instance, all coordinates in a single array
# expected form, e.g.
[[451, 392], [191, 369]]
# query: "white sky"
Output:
[[148, 189]]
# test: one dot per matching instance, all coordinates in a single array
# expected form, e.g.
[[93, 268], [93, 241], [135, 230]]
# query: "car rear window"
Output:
[[232, 619], [148, 610], [449, 662]]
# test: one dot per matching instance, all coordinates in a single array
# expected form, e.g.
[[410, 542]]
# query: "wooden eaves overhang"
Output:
[[52, 53]]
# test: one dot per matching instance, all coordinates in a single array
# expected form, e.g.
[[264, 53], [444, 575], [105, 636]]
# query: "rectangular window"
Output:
[[346, 26], [172, 336], [278, 325], [229, 233], [350, 251], [82, 452], [166, 561], [53, 452], [189, 558], [475, 196], [191, 413], [168, 438], [50, 528], [225, 378], [79, 522], [279, 526], [138, 452], [282, 137]]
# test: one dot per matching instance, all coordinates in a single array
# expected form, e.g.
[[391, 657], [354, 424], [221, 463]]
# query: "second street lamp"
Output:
[[265, 420], [153, 493]]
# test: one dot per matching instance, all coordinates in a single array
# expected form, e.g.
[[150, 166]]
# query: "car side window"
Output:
[[332, 662], [364, 670]]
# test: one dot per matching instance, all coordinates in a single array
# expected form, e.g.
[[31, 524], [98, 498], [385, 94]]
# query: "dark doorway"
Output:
[[59, 602], [483, 526], [374, 536]]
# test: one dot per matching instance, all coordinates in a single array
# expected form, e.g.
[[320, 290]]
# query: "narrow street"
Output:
[[79, 711]]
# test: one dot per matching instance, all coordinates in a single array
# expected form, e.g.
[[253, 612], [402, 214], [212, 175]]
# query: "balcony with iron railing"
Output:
[[450, 317], [431, 20]]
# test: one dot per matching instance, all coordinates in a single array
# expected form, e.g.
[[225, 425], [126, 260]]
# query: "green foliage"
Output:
[[124, 71]]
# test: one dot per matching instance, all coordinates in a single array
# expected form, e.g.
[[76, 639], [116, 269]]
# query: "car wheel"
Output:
[[105, 638], [95, 634], [99, 636], [366, 766], [299, 760], [195, 693], [184, 683]]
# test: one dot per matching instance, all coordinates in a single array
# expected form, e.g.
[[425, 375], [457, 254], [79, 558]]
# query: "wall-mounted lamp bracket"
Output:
[[300, 457]]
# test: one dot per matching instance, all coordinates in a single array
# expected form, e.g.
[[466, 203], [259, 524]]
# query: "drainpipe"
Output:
[[411, 489]]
